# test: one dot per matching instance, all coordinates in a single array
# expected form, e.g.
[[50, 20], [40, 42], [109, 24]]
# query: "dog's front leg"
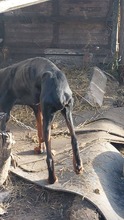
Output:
[[67, 113], [47, 120]]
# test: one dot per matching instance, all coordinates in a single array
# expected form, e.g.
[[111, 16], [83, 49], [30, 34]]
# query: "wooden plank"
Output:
[[114, 26], [1, 30], [27, 36], [81, 27], [89, 34], [97, 88], [60, 24], [121, 37], [54, 18], [26, 27], [33, 49], [85, 8], [65, 39]]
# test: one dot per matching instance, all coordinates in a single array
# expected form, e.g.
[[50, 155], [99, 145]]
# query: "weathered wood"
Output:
[[63, 24], [97, 88], [55, 18], [85, 8], [67, 35], [114, 26], [121, 40], [6, 140]]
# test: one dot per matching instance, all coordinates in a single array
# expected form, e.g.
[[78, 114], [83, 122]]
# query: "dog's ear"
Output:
[[70, 103], [47, 75], [41, 79]]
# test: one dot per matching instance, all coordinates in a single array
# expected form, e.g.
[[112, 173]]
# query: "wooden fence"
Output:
[[82, 28]]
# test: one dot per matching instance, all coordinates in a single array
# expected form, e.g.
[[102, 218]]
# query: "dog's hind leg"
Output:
[[4, 120], [67, 113], [6, 104]]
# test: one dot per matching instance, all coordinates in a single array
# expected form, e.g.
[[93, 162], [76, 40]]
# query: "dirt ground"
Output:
[[30, 202]]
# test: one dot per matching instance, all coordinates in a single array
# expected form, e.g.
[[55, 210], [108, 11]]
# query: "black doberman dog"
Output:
[[38, 83]]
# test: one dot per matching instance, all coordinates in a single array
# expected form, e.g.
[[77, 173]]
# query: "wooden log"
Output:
[[6, 141]]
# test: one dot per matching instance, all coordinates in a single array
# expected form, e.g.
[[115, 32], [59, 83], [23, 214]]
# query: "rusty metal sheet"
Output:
[[101, 182], [115, 115], [105, 129]]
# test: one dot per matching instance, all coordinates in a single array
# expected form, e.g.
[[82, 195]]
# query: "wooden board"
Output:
[[85, 26], [97, 88]]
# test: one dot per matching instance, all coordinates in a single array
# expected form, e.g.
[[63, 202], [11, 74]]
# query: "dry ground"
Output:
[[30, 202]]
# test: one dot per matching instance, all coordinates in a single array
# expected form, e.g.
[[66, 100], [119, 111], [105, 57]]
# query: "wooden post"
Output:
[[121, 42], [121, 48], [6, 141], [114, 26]]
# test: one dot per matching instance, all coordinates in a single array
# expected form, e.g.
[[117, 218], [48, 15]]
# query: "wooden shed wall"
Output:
[[62, 27]]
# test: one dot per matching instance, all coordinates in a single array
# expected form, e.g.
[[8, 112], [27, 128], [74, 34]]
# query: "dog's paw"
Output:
[[37, 150], [79, 169], [53, 180], [13, 161]]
